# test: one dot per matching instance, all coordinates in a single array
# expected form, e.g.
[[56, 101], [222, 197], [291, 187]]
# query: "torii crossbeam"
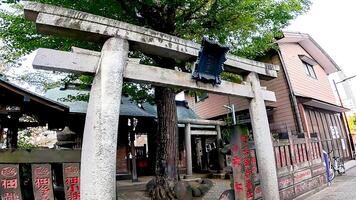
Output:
[[59, 21], [111, 66]]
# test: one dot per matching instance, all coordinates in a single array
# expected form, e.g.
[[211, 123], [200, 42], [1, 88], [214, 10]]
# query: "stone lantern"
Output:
[[66, 138]]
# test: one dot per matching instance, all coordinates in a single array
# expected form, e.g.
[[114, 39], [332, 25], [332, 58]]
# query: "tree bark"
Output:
[[167, 145], [167, 133]]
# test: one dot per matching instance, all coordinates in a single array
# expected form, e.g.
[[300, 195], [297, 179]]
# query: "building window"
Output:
[[201, 96], [309, 70]]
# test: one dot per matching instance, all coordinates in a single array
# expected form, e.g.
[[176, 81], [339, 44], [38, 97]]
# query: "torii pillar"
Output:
[[98, 165], [263, 141]]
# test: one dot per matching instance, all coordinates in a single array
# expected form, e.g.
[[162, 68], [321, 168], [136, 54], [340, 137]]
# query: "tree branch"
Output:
[[188, 16]]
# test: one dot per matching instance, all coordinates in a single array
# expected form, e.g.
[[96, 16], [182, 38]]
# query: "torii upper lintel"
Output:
[[55, 20]]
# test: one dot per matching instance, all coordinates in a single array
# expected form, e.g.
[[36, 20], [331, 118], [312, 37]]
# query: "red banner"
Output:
[[42, 182], [71, 179], [10, 182], [242, 164]]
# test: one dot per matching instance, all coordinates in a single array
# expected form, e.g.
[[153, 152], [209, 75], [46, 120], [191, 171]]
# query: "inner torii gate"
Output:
[[111, 66]]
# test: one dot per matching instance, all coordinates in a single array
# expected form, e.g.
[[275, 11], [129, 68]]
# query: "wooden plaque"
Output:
[[71, 180], [10, 182], [42, 182]]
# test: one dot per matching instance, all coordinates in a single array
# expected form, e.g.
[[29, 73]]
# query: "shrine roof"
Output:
[[127, 108], [183, 110], [29, 95]]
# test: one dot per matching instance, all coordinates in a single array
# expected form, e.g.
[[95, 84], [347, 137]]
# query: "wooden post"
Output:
[[263, 141], [98, 164], [307, 133], [133, 154], [219, 146], [204, 157], [12, 132], [188, 149], [291, 145]]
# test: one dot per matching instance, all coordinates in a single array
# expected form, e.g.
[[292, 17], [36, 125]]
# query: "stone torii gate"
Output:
[[111, 66]]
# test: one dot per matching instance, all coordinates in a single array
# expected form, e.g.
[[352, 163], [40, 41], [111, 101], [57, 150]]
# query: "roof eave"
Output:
[[33, 96], [318, 53]]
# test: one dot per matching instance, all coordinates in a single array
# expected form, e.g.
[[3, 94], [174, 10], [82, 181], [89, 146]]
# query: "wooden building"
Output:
[[20, 108], [305, 104], [55, 110]]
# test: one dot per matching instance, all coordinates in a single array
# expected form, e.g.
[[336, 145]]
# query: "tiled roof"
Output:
[[127, 107], [183, 111]]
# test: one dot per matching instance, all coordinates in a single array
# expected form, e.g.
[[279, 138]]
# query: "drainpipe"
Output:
[[293, 101], [344, 121]]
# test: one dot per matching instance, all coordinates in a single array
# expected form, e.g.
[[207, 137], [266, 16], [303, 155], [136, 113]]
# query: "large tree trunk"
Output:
[[167, 145]]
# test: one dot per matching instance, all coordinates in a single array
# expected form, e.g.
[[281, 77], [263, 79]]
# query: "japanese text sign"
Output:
[[42, 181], [10, 182], [242, 164], [71, 179]]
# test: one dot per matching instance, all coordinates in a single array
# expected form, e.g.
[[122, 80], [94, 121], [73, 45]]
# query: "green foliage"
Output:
[[77, 97], [227, 132], [227, 76], [248, 26], [24, 140], [139, 92], [351, 120], [22, 144], [19, 37]]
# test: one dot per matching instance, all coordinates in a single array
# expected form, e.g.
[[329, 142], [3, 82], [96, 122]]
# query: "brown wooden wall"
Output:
[[321, 122], [282, 116]]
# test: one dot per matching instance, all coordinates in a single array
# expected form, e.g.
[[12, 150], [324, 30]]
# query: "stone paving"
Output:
[[138, 195], [213, 194], [218, 188], [342, 188]]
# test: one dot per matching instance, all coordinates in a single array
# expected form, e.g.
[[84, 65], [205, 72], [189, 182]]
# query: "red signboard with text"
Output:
[[242, 164], [10, 182], [71, 179], [42, 182]]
